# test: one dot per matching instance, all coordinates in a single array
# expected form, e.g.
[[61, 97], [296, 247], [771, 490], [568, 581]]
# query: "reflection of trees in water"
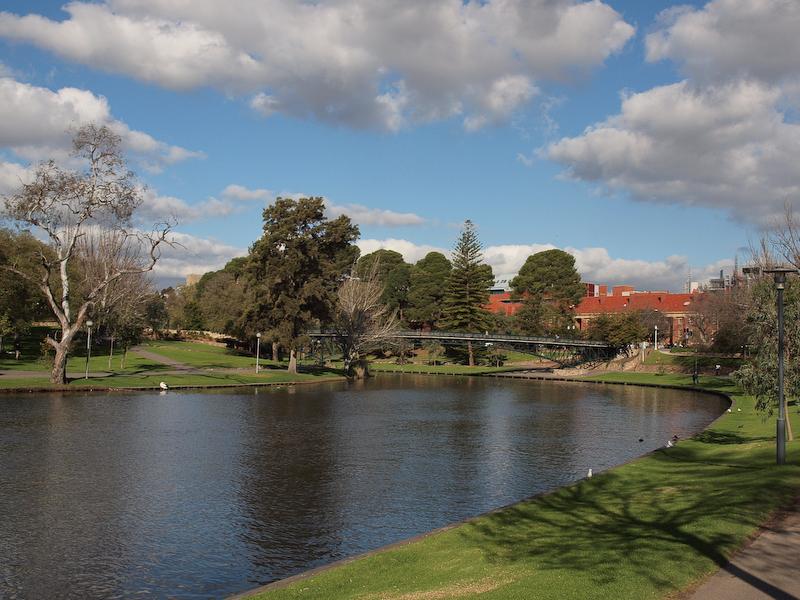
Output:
[[288, 484]]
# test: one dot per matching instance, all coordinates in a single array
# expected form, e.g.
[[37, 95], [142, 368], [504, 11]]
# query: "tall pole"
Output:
[[780, 284], [656, 340], [88, 347], [781, 432], [258, 349]]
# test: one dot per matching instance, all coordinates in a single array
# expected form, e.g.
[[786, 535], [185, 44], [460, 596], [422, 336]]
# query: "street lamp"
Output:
[[655, 345], [88, 347], [258, 348], [780, 284]]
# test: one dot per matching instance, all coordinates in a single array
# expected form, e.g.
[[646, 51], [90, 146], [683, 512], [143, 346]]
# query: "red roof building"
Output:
[[675, 307]]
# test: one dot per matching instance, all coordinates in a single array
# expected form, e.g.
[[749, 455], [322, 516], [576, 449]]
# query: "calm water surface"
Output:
[[198, 495]]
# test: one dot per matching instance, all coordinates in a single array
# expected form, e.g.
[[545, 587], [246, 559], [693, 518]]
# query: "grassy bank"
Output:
[[437, 369], [217, 366], [642, 530]]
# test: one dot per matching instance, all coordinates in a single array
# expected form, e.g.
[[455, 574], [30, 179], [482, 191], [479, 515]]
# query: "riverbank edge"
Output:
[[71, 389], [288, 581]]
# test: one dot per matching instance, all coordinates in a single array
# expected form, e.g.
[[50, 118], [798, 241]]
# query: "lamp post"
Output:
[[780, 284], [88, 347], [258, 348], [655, 345]]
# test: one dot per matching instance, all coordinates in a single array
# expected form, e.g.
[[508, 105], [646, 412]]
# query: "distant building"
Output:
[[677, 308]]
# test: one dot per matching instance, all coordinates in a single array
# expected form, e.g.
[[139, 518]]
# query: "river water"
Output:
[[198, 495]]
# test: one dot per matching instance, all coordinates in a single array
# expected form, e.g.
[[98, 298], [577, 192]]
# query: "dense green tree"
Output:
[[295, 268], [156, 316], [759, 375], [618, 329], [20, 300], [550, 279], [530, 318], [393, 274], [427, 289], [468, 288]]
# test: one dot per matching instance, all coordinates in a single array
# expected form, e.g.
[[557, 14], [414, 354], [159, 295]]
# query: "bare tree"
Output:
[[362, 322], [66, 206]]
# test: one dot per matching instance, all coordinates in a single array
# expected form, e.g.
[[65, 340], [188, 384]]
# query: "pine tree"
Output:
[[468, 288]]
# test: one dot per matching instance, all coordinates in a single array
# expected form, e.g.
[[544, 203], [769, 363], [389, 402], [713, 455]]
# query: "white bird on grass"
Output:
[[163, 386], [669, 444], [589, 474]]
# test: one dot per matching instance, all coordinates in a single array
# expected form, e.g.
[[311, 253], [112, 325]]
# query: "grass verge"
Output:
[[438, 369], [145, 381], [643, 530]]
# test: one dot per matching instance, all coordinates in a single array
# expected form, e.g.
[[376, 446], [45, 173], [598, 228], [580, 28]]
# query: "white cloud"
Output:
[[364, 215], [35, 123], [594, 264], [727, 137], [727, 146], [731, 39], [13, 176], [411, 252], [368, 63], [193, 254], [239, 192]]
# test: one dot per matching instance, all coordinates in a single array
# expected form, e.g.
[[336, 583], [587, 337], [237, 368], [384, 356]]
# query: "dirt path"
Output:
[[765, 569]]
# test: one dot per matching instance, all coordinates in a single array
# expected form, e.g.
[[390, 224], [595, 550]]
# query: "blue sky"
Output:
[[383, 106]]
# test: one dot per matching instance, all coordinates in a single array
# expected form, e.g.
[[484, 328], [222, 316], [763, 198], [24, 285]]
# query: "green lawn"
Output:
[[686, 361], [205, 356], [643, 530], [144, 380]]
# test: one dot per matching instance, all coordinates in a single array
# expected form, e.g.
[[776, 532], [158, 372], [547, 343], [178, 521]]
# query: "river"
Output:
[[204, 494]]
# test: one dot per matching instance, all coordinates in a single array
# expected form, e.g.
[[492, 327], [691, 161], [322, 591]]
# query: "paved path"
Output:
[[172, 363], [768, 568]]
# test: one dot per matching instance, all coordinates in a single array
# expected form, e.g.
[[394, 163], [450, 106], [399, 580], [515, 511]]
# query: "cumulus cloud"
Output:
[[366, 63], [730, 39], [727, 136], [193, 254], [35, 123], [239, 192], [411, 252], [364, 215], [727, 146]]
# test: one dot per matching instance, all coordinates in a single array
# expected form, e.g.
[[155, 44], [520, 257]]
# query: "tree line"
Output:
[[90, 260]]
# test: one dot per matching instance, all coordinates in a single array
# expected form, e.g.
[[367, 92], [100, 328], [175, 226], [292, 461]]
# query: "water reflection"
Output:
[[196, 495]]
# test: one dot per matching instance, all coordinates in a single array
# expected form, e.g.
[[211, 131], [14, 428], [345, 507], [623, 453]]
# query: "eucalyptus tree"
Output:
[[362, 321], [66, 206]]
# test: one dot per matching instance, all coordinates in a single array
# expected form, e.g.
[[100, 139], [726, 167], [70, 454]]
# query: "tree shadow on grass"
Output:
[[661, 520], [727, 437]]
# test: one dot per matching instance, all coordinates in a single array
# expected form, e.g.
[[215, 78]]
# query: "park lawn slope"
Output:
[[643, 530]]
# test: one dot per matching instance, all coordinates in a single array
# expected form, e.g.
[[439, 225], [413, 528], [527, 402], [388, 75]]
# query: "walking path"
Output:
[[765, 569], [172, 363]]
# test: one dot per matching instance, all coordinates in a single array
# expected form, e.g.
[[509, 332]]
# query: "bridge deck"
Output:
[[490, 338]]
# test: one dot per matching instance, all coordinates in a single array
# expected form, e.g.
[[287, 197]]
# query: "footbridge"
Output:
[[561, 350]]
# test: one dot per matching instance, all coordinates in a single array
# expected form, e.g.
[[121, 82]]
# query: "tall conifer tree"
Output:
[[468, 288]]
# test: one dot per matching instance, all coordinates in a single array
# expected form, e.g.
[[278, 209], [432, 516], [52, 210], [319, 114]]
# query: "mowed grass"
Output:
[[206, 356], [643, 530], [687, 361], [173, 380], [219, 365]]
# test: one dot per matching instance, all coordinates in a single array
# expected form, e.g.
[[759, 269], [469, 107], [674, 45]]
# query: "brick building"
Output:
[[678, 308]]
